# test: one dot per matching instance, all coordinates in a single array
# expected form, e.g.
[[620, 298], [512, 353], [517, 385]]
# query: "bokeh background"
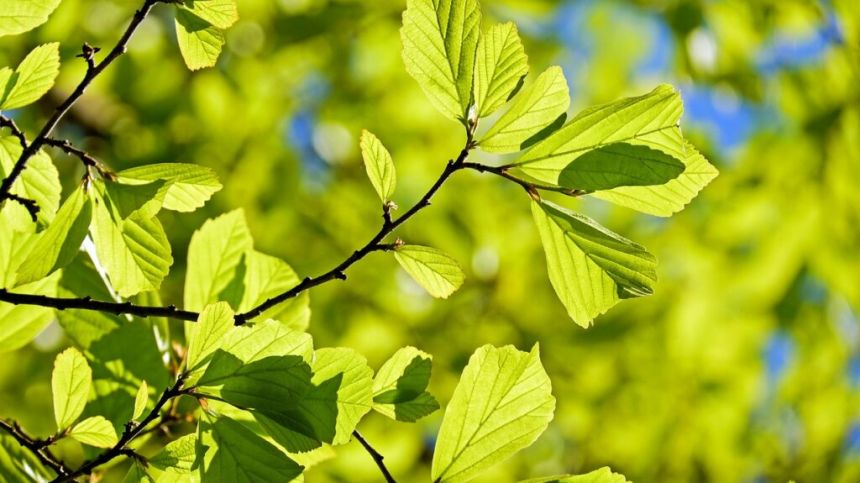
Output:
[[743, 367]]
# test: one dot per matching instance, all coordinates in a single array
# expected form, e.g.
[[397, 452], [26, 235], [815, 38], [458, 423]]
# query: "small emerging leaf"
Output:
[[590, 267], [379, 166], [500, 67], [70, 384], [438, 273], [95, 431], [502, 403], [140, 401]]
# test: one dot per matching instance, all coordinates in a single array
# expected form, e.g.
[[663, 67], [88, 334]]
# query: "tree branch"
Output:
[[9, 123], [377, 457], [37, 447], [87, 303], [93, 70], [529, 186], [86, 158], [132, 430]]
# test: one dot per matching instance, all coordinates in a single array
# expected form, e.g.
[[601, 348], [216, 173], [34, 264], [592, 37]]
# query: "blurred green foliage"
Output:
[[745, 364]]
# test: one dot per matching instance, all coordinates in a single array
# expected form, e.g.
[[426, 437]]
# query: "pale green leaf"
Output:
[[95, 431], [219, 13], [70, 384], [590, 267], [379, 165], [502, 403], [602, 475], [141, 399], [214, 254], [55, 247], [650, 120], [19, 324], [189, 186], [267, 276], [199, 42], [134, 251], [207, 334], [19, 16], [533, 111], [440, 38], [500, 67], [39, 182], [228, 451], [399, 388], [438, 273], [33, 78], [178, 455]]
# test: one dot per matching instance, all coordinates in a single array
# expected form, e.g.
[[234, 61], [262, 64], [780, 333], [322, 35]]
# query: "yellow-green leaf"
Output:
[[95, 431], [19, 16], [140, 400], [219, 13], [500, 66], [33, 78], [439, 274], [70, 384], [189, 186], [199, 42], [379, 166]]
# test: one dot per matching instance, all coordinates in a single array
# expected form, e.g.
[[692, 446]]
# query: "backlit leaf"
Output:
[[189, 185], [33, 78], [70, 384], [95, 431], [500, 66], [438, 273], [379, 166], [199, 42], [17, 16], [399, 388]]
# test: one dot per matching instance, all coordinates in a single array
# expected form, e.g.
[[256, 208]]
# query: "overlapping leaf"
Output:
[[40, 182], [590, 267], [399, 387], [189, 185], [502, 403], [500, 67]]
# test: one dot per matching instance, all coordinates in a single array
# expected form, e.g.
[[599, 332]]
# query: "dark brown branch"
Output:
[[86, 303], [527, 185], [93, 70], [132, 430], [377, 457], [389, 225], [31, 205], [9, 123], [35, 446]]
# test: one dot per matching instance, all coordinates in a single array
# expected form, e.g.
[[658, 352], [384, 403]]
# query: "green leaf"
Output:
[[502, 403], [145, 200], [17, 16], [533, 111], [590, 267], [19, 324], [140, 401], [137, 474], [219, 13], [620, 164], [207, 334], [399, 388], [650, 120], [178, 455], [199, 42], [438, 273], [55, 247], [228, 451], [134, 251], [95, 431], [214, 254], [70, 385], [440, 38], [379, 166], [18, 464], [189, 186], [40, 182], [267, 276], [33, 78], [602, 475], [349, 370], [500, 67]]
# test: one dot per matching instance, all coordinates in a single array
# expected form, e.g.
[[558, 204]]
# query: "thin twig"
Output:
[[377, 457], [93, 70], [37, 447], [86, 158], [132, 430], [527, 185], [87, 303], [9, 123]]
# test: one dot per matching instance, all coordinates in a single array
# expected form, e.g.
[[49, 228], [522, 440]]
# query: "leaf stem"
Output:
[[376, 455]]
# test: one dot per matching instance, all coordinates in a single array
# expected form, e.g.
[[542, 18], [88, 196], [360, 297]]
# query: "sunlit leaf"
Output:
[[620, 164], [95, 431], [219, 13], [189, 185], [33, 78], [40, 182], [266, 276], [438, 273], [207, 334], [399, 387], [439, 42], [141, 399], [590, 267], [19, 324], [199, 42], [532, 111], [502, 403], [379, 166], [70, 384], [602, 475], [17, 16], [500, 66], [178, 455]]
